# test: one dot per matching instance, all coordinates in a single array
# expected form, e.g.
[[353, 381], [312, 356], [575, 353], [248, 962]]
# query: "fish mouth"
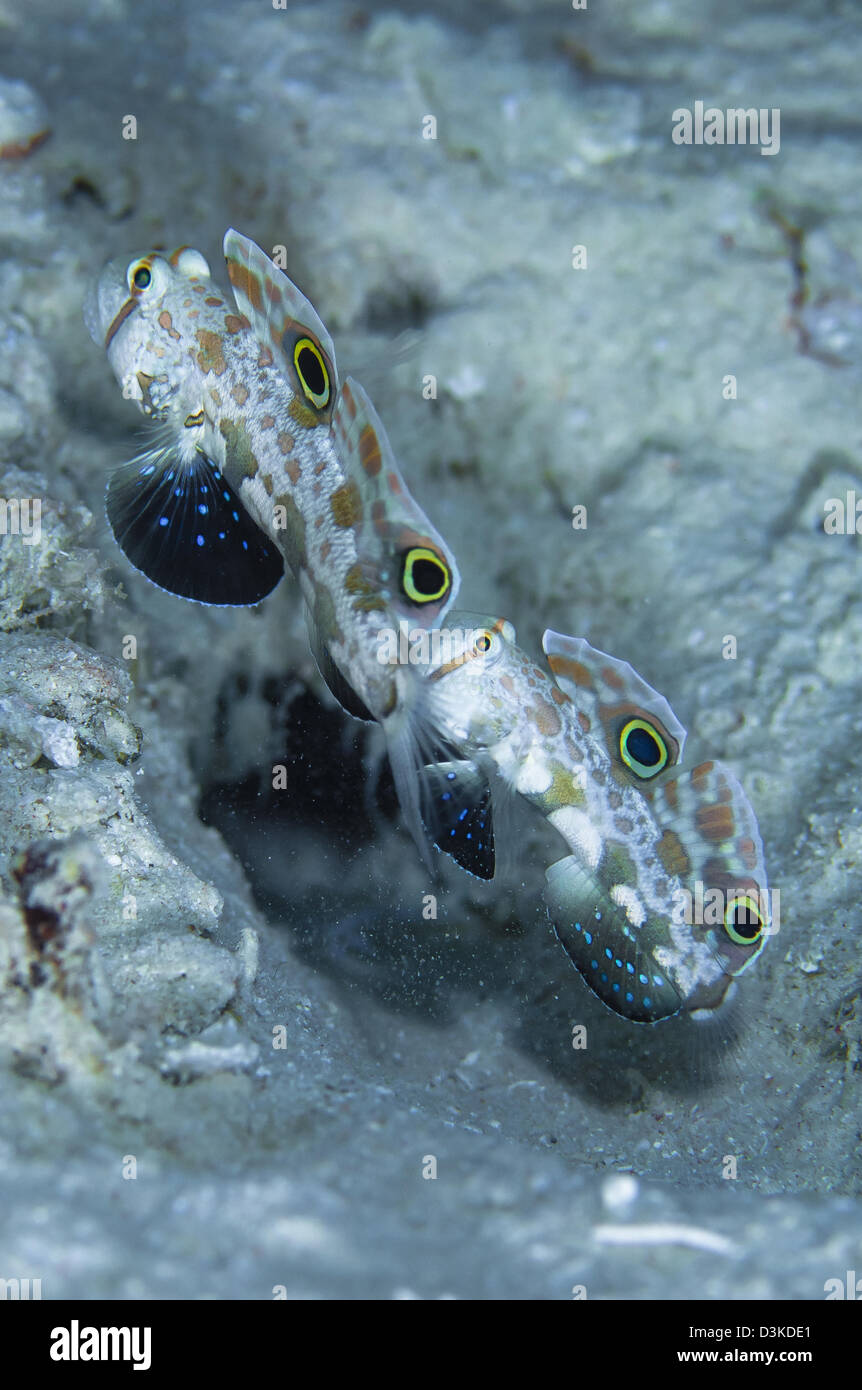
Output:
[[107, 303], [118, 319]]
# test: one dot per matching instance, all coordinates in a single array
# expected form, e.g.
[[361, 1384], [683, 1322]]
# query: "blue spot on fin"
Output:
[[218, 555], [574, 895], [456, 807]]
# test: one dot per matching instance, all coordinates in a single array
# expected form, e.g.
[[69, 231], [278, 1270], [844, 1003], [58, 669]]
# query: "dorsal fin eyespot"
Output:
[[401, 554], [640, 732], [286, 323]]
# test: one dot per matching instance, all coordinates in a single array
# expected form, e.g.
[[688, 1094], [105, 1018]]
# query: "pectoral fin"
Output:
[[181, 524]]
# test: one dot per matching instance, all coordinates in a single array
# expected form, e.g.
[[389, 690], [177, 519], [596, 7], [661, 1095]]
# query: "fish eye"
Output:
[[141, 276], [312, 372], [483, 642], [424, 576], [743, 920], [643, 749]]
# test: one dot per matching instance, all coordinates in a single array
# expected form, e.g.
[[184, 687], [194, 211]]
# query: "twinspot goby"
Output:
[[262, 458], [661, 899]]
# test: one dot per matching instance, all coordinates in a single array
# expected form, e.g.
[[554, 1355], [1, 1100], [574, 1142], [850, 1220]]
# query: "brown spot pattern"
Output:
[[573, 670], [241, 277], [716, 822], [211, 356], [672, 854], [545, 718], [346, 505], [302, 415], [167, 324], [369, 451]]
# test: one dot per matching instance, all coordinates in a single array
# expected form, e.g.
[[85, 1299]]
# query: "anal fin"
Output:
[[335, 681]]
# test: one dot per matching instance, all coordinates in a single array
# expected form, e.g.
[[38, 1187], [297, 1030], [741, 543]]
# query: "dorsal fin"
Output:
[[401, 554], [640, 732], [285, 323]]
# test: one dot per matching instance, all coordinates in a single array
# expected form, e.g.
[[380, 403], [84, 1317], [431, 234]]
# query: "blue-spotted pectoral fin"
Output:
[[287, 325], [611, 953], [642, 735], [403, 558], [711, 842], [181, 524], [458, 816], [432, 802], [668, 929]]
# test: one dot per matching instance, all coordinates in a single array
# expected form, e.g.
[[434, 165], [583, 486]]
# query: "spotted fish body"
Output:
[[262, 460], [596, 751]]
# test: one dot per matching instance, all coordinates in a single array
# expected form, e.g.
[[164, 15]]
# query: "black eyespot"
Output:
[[424, 576], [643, 749], [312, 372], [142, 277], [743, 920]]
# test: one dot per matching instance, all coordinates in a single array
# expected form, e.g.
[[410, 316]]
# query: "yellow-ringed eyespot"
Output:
[[312, 371], [743, 920], [424, 576], [643, 749]]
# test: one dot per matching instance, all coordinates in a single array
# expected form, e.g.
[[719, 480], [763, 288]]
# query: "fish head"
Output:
[[143, 313], [475, 676]]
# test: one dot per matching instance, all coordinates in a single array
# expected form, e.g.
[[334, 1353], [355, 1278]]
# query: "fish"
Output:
[[261, 460], [650, 844]]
